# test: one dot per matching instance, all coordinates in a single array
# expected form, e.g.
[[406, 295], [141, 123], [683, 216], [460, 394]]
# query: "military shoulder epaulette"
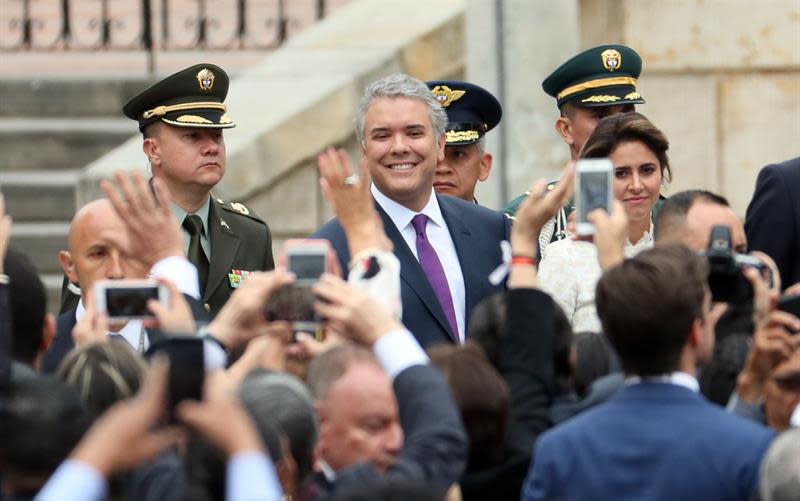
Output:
[[238, 208]]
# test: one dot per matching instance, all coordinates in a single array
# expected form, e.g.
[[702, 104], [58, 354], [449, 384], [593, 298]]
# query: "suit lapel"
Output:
[[224, 245], [411, 272], [465, 250]]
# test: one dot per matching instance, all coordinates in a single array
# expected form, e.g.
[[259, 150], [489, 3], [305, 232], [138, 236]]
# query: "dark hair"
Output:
[[614, 130], [718, 378], [28, 302], [327, 368], [647, 306], [487, 327], [41, 421], [102, 373], [482, 397], [595, 358], [672, 214], [283, 400]]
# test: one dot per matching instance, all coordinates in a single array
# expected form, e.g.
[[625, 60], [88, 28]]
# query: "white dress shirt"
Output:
[[439, 237], [676, 378]]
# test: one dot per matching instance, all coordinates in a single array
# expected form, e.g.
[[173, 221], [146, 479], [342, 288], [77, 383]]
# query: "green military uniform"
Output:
[[231, 241], [601, 76]]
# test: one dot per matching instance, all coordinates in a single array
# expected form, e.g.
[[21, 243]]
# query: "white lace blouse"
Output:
[[569, 272]]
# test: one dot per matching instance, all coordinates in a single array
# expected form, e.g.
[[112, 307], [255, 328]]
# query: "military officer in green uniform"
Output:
[[592, 85], [181, 119], [472, 111]]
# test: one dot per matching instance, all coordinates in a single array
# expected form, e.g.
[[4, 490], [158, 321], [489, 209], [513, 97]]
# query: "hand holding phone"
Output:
[[593, 190], [123, 300], [308, 260]]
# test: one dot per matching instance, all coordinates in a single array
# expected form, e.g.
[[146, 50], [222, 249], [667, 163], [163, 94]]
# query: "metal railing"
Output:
[[152, 25]]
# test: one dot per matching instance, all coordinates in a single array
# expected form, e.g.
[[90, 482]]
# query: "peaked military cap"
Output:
[[471, 110], [601, 76], [192, 97]]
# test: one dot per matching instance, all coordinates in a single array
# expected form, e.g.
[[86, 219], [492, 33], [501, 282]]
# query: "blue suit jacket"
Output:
[[652, 441], [476, 232], [772, 223]]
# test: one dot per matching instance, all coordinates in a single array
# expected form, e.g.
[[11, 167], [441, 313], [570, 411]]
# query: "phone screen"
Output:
[[594, 193], [307, 266], [130, 301]]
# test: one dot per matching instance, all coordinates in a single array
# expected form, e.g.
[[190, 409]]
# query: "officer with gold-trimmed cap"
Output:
[[472, 111], [594, 84], [181, 119]]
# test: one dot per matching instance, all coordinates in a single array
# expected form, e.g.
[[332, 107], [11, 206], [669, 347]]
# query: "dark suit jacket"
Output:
[[434, 443], [63, 344], [476, 232], [526, 363], [239, 241], [772, 223], [652, 441]]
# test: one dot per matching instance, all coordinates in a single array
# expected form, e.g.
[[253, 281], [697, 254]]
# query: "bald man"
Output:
[[94, 254]]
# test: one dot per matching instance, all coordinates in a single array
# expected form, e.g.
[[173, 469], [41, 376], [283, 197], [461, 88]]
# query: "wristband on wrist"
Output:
[[518, 260]]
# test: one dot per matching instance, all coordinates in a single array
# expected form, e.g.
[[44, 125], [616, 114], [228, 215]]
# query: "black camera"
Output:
[[725, 279]]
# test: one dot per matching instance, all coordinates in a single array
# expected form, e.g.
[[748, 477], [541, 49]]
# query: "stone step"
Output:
[[68, 97], [59, 143], [33, 196], [41, 243]]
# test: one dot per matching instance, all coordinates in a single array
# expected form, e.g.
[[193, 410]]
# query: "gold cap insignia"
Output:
[[445, 95], [206, 79], [612, 59], [240, 208], [633, 95]]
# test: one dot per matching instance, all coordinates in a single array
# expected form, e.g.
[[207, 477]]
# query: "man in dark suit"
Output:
[[658, 438], [447, 247], [772, 221], [104, 246], [384, 412]]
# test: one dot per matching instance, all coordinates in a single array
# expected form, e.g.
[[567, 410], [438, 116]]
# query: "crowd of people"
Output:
[[453, 351]]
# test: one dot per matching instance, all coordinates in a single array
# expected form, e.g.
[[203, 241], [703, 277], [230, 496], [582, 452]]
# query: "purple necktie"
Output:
[[433, 269]]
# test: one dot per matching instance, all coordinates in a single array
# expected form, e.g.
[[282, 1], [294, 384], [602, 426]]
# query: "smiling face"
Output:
[[401, 149], [637, 179], [186, 157], [459, 172]]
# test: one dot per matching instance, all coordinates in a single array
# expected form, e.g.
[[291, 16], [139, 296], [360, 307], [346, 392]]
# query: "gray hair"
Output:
[[480, 145], [284, 401], [780, 470], [400, 85]]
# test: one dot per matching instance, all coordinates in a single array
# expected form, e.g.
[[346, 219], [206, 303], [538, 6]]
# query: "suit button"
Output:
[[207, 307]]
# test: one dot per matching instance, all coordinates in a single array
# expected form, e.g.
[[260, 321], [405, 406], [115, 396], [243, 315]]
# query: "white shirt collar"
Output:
[[401, 215], [130, 331], [677, 378], [181, 214]]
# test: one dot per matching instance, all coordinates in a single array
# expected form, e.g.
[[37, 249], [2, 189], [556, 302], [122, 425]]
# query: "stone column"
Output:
[[512, 45]]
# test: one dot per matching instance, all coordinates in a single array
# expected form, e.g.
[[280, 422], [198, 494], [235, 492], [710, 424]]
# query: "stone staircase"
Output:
[[49, 130]]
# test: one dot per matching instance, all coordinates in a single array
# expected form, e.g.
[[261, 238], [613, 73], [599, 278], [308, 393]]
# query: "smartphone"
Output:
[[593, 190], [186, 368], [790, 304], [124, 300], [308, 260]]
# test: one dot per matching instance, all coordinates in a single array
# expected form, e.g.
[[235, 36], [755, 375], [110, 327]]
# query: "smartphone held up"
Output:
[[123, 300], [593, 190]]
